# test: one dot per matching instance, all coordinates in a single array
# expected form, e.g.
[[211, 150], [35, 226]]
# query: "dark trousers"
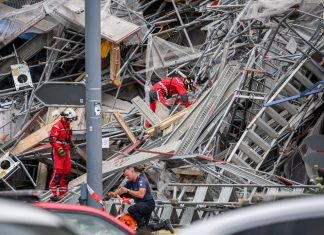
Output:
[[141, 212]]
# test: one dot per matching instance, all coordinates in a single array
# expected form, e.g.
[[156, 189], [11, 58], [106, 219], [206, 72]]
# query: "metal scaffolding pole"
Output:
[[93, 100]]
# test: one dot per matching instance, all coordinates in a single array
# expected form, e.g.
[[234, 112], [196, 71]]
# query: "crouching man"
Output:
[[138, 187]]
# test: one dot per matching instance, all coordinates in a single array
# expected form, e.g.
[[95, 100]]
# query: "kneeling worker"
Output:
[[168, 87], [140, 190]]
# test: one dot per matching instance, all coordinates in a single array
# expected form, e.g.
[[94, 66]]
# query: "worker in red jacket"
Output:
[[168, 87], [61, 141]]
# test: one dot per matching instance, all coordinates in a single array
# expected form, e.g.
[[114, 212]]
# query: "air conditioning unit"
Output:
[[21, 76], [7, 166]]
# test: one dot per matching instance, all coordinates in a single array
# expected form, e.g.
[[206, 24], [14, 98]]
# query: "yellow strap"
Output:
[[105, 48]]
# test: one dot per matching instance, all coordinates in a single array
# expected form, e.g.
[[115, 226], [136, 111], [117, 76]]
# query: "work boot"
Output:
[[156, 226], [168, 225], [141, 224], [54, 198]]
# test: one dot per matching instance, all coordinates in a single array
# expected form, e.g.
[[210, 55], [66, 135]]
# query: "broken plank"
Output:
[[125, 127], [35, 138], [80, 77], [167, 122], [115, 64]]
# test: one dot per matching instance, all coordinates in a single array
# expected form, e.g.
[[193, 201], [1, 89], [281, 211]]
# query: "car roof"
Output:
[[259, 215], [84, 209], [23, 213]]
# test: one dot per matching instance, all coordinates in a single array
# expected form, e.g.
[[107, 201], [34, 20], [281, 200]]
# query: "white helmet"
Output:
[[69, 114]]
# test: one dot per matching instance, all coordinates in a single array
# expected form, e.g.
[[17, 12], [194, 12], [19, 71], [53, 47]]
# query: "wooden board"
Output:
[[167, 122], [124, 126], [116, 30], [33, 139], [115, 64], [115, 165], [113, 29], [42, 134]]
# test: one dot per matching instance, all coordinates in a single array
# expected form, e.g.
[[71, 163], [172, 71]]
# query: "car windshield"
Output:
[[88, 224], [30, 229]]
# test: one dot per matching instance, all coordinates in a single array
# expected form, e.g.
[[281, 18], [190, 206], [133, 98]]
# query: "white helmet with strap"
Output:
[[69, 114]]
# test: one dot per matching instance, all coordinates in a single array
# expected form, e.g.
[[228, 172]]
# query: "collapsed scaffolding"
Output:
[[227, 149]]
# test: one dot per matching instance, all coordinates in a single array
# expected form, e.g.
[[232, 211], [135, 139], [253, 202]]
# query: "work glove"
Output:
[[110, 195], [61, 152]]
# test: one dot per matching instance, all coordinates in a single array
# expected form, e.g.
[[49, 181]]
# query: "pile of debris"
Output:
[[258, 66]]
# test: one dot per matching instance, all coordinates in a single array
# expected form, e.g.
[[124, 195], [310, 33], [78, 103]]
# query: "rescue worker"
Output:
[[138, 187], [61, 141], [168, 87]]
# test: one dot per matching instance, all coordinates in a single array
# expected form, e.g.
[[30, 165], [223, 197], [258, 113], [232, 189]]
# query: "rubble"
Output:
[[234, 146]]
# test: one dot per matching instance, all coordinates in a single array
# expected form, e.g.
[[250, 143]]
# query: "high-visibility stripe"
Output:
[[158, 96], [178, 81], [58, 141], [164, 88], [61, 142], [94, 195]]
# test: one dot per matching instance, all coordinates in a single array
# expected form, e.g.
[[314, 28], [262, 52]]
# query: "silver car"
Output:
[[298, 216], [18, 218]]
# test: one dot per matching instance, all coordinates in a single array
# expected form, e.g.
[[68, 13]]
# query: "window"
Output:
[[89, 224], [31, 229]]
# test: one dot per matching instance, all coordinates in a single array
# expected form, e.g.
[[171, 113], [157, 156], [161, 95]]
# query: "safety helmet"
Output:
[[69, 114]]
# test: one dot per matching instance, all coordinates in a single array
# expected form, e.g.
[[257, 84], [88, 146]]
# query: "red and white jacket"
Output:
[[170, 86], [61, 135]]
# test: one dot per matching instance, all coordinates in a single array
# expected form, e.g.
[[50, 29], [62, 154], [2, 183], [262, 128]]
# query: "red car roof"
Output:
[[87, 209]]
